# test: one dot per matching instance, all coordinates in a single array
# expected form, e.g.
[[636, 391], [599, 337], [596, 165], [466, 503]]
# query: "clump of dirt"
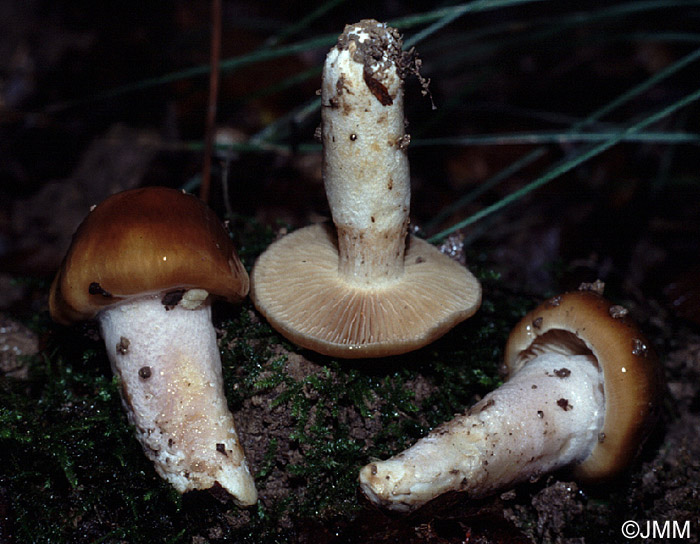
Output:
[[263, 422], [304, 415], [379, 52], [553, 509], [17, 342]]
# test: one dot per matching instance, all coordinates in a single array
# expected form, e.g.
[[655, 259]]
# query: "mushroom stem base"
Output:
[[168, 363], [547, 416]]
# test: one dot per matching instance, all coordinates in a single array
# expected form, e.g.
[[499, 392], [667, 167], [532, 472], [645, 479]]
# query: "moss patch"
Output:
[[71, 470]]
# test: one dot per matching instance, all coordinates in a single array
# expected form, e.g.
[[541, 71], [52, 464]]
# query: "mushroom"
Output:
[[582, 386], [365, 288], [146, 263]]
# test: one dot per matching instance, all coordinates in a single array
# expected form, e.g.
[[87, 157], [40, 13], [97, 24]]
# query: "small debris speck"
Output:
[[597, 287], [553, 302], [617, 311], [123, 345], [172, 298], [96, 289], [639, 348], [488, 405]]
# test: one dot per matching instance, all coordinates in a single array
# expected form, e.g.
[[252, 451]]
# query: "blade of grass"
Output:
[[291, 81], [456, 13], [444, 17], [455, 50], [272, 131], [670, 70], [210, 121], [410, 21], [452, 55], [303, 23], [558, 137], [568, 165], [504, 174], [591, 119], [261, 142], [227, 65], [263, 54], [265, 146]]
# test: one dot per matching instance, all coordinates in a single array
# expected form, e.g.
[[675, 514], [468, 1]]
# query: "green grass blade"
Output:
[[590, 120], [411, 21], [568, 165], [558, 137], [507, 172], [304, 22], [227, 65], [456, 12]]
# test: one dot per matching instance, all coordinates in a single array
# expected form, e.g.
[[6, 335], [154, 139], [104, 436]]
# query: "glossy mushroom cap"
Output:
[[296, 285], [583, 322], [145, 241]]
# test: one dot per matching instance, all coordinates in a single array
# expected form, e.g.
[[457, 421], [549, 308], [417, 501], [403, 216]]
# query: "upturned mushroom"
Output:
[[582, 386], [365, 288], [146, 264]]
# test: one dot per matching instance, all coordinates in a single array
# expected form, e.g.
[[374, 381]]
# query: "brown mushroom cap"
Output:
[[295, 284], [145, 241], [584, 322]]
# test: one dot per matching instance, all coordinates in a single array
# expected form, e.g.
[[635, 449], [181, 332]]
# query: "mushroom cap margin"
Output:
[[295, 284], [144, 241], [632, 375]]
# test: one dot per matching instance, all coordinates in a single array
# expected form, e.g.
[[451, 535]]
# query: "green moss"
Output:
[[69, 460], [75, 473], [251, 238], [325, 405]]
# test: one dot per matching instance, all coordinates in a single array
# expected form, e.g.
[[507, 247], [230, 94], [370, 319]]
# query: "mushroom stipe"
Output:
[[368, 289], [579, 392]]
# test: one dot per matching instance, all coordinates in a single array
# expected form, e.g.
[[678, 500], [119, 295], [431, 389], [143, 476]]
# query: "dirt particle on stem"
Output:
[[172, 298], [617, 311], [565, 405], [123, 345]]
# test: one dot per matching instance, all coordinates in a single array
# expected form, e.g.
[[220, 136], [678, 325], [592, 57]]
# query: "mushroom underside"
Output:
[[553, 341], [296, 285]]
